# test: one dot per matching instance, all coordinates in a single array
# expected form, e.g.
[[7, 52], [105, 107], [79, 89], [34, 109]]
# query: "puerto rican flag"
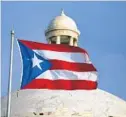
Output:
[[52, 66]]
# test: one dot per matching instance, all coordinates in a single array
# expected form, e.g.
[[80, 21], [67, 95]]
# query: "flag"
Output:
[[52, 66]]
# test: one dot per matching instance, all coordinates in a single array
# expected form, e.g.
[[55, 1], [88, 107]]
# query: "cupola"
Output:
[[62, 30]]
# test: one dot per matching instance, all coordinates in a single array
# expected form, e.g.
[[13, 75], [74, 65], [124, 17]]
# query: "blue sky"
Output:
[[103, 35]]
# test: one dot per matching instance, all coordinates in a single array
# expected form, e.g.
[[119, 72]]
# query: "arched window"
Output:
[[64, 39], [53, 40]]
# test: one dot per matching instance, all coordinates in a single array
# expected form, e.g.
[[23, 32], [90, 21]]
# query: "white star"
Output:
[[36, 62]]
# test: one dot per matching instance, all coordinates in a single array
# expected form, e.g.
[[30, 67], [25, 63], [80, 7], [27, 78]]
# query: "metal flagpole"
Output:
[[10, 75]]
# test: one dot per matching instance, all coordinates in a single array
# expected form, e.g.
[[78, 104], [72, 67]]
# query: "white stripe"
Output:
[[68, 75], [65, 56]]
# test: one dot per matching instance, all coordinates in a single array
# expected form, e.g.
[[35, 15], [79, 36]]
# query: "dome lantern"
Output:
[[62, 13], [62, 30]]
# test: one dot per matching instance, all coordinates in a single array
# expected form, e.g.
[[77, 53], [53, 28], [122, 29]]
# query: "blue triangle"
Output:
[[30, 72]]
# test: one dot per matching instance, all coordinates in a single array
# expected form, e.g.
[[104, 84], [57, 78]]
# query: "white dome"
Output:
[[62, 103], [62, 22]]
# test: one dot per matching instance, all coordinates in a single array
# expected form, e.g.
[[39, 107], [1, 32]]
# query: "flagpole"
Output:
[[10, 75]]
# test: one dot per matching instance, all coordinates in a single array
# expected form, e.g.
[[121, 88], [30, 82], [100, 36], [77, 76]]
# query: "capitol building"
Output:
[[64, 103]]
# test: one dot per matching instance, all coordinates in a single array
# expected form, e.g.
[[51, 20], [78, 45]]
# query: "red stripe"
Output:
[[80, 67], [52, 47], [61, 84]]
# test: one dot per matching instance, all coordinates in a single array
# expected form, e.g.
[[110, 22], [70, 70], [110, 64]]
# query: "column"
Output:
[[71, 41], [58, 40], [49, 41], [75, 43]]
